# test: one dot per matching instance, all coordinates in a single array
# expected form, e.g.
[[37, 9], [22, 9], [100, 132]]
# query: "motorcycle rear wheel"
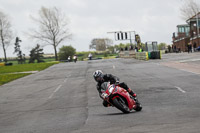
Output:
[[120, 104]]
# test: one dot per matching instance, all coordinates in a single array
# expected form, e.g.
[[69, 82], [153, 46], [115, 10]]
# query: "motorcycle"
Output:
[[120, 98], [75, 58]]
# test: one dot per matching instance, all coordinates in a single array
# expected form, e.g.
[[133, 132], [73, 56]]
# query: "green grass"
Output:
[[49, 59], [15, 62], [25, 67], [5, 78], [8, 73], [110, 57]]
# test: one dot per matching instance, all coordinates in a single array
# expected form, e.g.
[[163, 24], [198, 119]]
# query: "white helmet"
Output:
[[98, 75]]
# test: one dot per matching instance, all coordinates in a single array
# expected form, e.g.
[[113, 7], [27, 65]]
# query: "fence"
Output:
[[127, 54], [141, 55]]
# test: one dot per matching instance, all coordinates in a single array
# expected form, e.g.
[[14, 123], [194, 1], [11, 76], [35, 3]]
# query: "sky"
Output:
[[153, 20]]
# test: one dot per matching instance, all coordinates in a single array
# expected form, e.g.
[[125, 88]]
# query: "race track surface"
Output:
[[64, 99]]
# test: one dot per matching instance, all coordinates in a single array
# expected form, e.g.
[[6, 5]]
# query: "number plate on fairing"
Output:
[[111, 88]]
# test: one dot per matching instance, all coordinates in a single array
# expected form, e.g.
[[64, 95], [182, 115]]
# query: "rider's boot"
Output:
[[132, 93]]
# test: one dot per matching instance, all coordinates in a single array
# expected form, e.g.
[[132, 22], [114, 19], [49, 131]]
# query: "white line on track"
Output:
[[66, 78], [189, 71], [55, 91], [113, 67], [181, 90], [157, 64], [189, 60]]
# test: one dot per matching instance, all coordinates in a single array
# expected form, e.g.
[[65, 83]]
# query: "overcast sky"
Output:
[[153, 20]]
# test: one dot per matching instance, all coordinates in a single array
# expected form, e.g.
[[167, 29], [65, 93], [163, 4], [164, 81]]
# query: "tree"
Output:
[[189, 9], [36, 54], [117, 48], [5, 32], [53, 27], [162, 46], [65, 52], [111, 49], [21, 57], [100, 44]]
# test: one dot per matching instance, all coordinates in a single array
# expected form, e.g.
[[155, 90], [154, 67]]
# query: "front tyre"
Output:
[[120, 104]]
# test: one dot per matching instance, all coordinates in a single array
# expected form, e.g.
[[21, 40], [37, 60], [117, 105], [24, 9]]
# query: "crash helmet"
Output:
[[98, 75]]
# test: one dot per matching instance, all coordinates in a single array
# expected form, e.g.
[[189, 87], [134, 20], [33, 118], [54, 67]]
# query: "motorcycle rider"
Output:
[[100, 78], [75, 58]]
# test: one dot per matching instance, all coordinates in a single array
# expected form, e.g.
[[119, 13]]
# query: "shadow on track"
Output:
[[115, 114]]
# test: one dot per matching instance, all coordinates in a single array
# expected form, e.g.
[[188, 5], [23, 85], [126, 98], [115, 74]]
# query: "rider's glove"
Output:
[[117, 83], [104, 96]]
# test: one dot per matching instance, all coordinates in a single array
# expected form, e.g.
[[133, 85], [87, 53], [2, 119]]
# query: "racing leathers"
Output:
[[113, 80]]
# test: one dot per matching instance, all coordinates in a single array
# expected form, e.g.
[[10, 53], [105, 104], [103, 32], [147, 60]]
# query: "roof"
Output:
[[194, 17], [181, 25]]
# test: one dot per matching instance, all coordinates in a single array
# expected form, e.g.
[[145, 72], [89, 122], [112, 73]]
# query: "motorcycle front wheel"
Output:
[[120, 104]]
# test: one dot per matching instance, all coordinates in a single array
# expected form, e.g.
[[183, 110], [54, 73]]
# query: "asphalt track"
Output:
[[64, 99]]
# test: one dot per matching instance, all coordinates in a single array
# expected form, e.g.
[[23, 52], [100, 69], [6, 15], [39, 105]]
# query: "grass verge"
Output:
[[25, 67], [5, 78], [8, 73]]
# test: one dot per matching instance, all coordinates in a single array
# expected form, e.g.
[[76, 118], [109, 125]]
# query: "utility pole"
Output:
[[197, 21]]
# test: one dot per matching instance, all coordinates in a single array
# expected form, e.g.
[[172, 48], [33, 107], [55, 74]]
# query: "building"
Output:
[[187, 33]]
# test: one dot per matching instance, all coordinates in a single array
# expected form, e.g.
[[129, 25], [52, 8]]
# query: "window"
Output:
[[187, 30], [181, 29]]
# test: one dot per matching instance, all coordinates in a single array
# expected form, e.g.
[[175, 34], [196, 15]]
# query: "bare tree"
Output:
[[5, 32], [189, 9], [53, 27], [100, 44]]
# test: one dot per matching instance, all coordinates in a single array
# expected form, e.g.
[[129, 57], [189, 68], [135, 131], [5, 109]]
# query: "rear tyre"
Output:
[[120, 104]]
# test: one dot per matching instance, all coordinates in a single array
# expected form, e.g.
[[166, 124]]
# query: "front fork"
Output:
[[109, 101]]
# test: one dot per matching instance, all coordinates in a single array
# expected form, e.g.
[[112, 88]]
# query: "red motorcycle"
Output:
[[120, 98]]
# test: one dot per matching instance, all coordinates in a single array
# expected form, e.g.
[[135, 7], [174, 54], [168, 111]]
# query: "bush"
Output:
[[65, 52], [105, 54]]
